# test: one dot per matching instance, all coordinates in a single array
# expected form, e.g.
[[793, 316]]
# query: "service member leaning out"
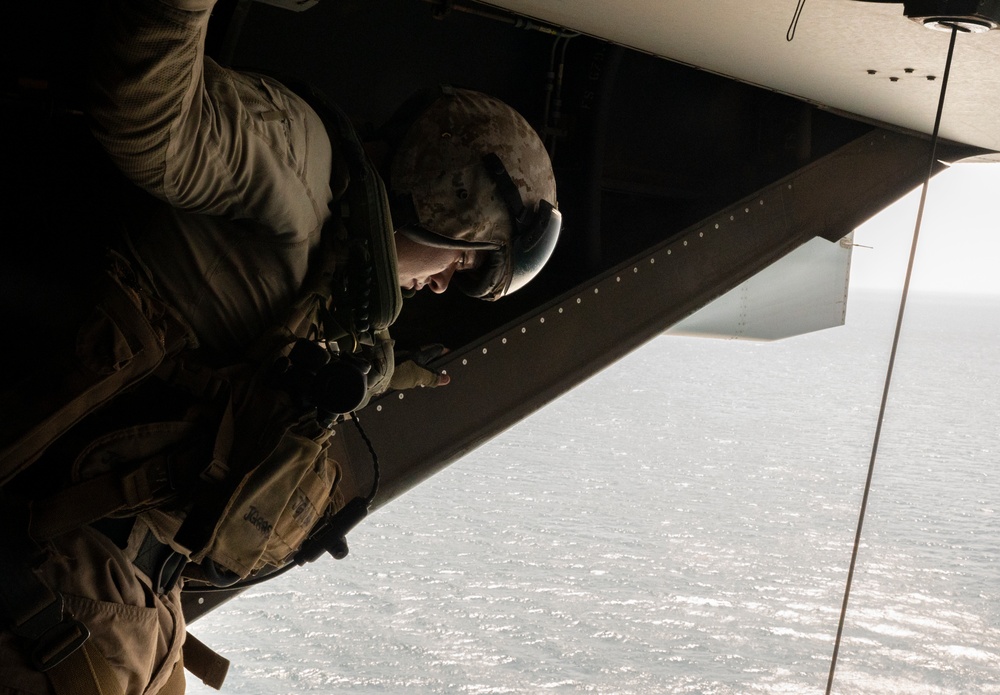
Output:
[[187, 434]]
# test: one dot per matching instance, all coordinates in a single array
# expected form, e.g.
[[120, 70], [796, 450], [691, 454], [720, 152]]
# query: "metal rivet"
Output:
[[201, 600], [484, 351], [761, 202], [619, 278], [378, 408], [669, 252], [908, 71], [464, 362], [685, 242], [401, 396], [541, 320], [716, 225], [746, 209], [652, 261], [504, 341], [872, 72], [894, 79], [578, 300], [524, 330], [932, 77], [732, 217], [560, 310], [701, 234], [635, 270], [446, 135]]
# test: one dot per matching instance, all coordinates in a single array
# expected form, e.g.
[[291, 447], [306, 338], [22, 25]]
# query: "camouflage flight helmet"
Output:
[[470, 173]]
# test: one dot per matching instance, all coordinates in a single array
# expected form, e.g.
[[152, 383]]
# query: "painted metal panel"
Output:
[[803, 292], [863, 58], [527, 363], [517, 369]]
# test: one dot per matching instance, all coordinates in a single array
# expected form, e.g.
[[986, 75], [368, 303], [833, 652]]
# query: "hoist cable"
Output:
[[790, 34], [892, 359]]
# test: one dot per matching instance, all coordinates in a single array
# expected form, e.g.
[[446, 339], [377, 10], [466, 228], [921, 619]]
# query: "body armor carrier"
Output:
[[228, 467]]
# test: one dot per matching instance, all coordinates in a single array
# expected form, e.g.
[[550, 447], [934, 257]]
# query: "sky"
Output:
[[959, 246]]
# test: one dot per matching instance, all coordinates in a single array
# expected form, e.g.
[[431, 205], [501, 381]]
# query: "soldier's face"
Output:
[[427, 266]]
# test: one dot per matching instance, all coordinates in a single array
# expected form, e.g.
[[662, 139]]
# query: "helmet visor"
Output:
[[532, 249], [510, 268]]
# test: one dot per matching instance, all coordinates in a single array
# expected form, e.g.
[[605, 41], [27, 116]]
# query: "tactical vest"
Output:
[[236, 476]]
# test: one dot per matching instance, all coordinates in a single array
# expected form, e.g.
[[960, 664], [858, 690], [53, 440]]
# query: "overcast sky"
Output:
[[959, 249]]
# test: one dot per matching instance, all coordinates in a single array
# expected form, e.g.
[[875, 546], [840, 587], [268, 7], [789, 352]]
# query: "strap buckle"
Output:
[[50, 633], [33, 611], [160, 563], [58, 642]]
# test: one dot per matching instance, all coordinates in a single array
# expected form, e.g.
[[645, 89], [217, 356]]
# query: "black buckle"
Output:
[[169, 572], [52, 634], [58, 642], [331, 538], [160, 563], [163, 478], [33, 611]]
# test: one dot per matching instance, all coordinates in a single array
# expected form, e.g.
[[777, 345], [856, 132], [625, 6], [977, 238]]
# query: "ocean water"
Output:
[[682, 523]]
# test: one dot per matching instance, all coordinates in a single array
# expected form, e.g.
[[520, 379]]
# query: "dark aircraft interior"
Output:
[[650, 155], [642, 147]]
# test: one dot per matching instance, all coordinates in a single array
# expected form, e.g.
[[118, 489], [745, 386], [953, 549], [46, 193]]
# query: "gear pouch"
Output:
[[274, 507]]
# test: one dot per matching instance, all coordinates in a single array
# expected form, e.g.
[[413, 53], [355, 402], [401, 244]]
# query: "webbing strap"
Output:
[[90, 500], [28, 607], [204, 662], [55, 642], [74, 393], [176, 684], [85, 672]]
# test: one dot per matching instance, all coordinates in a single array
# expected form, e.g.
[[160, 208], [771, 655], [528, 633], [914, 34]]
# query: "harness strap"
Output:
[[85, 672], [175, 685], [154, 480], [57, 644], [28, 607], [35, 614], [156, 560], [31, 423], [204, 662]]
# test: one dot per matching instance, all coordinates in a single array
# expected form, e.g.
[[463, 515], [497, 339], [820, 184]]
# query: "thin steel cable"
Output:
[[790, 34], [892, 359], [376, 470]]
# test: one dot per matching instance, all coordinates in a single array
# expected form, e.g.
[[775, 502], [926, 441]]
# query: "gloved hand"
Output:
[[412, 371]]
